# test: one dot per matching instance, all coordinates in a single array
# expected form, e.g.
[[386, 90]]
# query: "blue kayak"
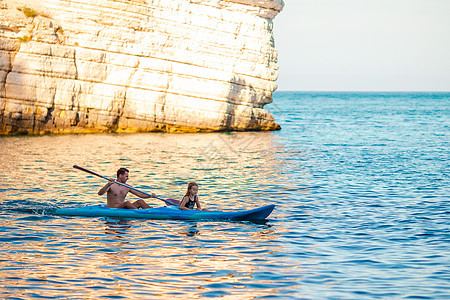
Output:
[[167, 213]]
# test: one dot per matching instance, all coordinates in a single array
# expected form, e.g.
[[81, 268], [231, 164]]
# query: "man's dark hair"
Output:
[[122, 171]]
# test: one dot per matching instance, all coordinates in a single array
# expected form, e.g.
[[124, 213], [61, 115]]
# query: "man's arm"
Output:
[[104, 189], [142, 195]]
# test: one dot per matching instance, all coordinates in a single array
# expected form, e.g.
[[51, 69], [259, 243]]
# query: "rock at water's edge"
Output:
[[136, 66]]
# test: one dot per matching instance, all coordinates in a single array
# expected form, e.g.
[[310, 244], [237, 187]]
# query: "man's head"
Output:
[[122, 175]]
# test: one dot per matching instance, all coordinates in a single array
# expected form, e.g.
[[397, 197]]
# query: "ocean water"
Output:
[[360, 182]]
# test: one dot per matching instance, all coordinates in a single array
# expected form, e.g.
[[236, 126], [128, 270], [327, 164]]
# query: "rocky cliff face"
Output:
[[136, 65]]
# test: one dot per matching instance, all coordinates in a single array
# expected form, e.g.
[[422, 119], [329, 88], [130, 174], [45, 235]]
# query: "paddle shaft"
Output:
[[120, 183]]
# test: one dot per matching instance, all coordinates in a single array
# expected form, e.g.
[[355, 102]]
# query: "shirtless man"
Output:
[[116, 193]]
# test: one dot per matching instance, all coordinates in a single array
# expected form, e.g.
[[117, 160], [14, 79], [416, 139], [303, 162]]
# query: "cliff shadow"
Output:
[[240, 93]]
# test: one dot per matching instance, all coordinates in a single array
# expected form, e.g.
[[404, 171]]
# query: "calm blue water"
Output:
[[360, 180]]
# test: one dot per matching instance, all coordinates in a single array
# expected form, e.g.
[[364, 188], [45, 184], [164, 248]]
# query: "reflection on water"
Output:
[[113, 258], [191, 230], [98, 257]]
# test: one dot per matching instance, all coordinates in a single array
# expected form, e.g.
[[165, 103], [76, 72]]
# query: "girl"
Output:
[[191, 198]]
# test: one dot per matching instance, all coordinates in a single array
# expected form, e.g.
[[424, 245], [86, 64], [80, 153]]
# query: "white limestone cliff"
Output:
[[136, 65]]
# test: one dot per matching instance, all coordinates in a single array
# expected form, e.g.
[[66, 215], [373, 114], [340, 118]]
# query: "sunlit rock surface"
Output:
[[136, 65]]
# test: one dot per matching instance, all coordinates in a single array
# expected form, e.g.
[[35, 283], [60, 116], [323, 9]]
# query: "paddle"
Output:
[[167, 201]]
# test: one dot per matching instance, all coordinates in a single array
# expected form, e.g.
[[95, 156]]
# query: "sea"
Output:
[[360, 181]]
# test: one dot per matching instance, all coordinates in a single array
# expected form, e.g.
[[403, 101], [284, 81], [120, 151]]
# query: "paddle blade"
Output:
[[172, 202]]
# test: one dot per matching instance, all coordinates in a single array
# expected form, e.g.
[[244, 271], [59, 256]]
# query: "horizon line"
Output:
[[365, 91]]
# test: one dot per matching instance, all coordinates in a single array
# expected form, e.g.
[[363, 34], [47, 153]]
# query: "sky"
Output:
[[363, 45]]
